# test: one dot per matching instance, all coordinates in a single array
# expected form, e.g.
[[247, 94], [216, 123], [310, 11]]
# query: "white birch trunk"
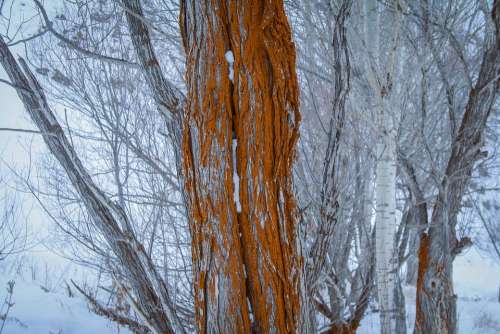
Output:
[[380, 78], [385, 221]]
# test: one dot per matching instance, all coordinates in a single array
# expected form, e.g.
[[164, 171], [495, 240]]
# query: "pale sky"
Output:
[[16, 151]]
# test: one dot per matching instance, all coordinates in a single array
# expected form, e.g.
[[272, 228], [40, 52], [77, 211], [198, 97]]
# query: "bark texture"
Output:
[[436, 302], [241, 128]]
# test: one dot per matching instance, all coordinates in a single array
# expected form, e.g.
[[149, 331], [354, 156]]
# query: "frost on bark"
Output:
[[381, 79], [436, 302], [168, 99], [327, 253], [149, 295], [385, 222], [241, 127]]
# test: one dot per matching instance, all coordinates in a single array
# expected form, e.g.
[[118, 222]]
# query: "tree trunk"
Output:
[[418, 220], [412, 261], [241, 128], [381, 83], [435, 289], [400, 307], [385, 222], [436, 302]]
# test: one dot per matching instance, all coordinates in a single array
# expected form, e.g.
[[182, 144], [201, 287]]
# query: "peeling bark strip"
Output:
[[245, 262]]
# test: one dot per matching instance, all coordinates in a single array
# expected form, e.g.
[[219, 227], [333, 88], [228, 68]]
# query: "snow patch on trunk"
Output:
[[236, 177], [230, 60]]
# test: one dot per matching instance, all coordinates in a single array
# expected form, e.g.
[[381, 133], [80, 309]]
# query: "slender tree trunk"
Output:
[[385, 222], [385, 185], [400, 307], [418, 220], [241, 127], [412, 261]]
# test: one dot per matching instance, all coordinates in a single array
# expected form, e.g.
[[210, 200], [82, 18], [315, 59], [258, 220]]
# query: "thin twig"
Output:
[[27, 131]]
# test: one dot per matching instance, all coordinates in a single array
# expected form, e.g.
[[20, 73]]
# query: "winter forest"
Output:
[[249, 166]]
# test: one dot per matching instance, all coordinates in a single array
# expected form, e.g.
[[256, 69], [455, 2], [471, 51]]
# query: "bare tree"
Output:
[[154, 301], [436, 302]]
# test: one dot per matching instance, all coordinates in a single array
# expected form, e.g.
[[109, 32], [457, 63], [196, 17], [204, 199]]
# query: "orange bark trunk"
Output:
[[241, 129]]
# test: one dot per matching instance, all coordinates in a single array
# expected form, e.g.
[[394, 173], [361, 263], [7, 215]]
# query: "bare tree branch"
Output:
[[50, 27], [151, 291]]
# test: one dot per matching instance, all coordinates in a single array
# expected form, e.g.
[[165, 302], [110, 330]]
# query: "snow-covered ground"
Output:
[[477, 280], [476, 315], [37, 311]]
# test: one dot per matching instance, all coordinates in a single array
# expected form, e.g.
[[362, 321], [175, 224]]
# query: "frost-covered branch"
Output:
[[110, 219]]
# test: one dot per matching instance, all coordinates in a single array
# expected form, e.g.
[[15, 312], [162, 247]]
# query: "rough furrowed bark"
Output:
[[434, 293], [436, 302], [241, 127]]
